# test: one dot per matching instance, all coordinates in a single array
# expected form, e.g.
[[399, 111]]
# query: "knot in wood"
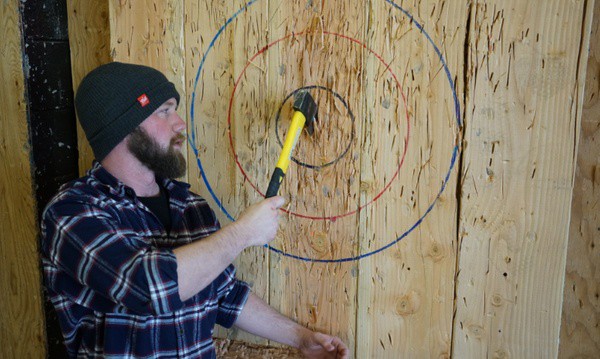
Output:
[[408, 304], [476, 331]]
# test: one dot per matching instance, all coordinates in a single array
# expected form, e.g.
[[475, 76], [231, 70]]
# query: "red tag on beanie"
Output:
[[143, 100]]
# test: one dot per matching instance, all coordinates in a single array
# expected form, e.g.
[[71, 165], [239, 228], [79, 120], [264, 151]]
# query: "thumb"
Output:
[[276, 201], [325, 341]]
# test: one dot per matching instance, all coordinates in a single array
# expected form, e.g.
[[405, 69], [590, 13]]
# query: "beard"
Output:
[[168, 163]]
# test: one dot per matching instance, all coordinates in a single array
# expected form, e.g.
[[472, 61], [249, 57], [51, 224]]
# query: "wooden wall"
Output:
[[21, 319], [580, 329], [495, 238], [89, 38], [522, 120], [480, 266]]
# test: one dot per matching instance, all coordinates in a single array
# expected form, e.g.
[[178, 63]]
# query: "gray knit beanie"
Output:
[[115, 98]]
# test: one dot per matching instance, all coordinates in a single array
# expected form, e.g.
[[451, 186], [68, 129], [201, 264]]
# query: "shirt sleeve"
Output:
[[232, 294], [104, 266]]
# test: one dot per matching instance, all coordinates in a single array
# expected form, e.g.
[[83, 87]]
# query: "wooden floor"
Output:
[[231, 349]]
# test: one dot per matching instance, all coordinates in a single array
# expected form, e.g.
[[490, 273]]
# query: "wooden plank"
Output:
[[150, 32], [89, 41], [318, 47], [261, 89], [406, 292], [217, 53], [580, 332], [21, 318], [520, 142]]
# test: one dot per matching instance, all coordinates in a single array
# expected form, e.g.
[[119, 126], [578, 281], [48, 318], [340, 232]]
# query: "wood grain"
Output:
[[405, 300], [222, 60], [580, 329], [150, 33], [89, 41], [21, 318], [521, 119], [321, 296], [316, 54]]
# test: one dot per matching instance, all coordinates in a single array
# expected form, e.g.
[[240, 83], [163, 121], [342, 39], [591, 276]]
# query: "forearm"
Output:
[[200, 262], [259, 318]]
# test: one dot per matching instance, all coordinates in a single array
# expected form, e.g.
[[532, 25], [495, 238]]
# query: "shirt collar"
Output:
[[99, 173]]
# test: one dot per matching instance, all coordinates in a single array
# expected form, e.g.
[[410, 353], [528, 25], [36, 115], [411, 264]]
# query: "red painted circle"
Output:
[[387, 67]]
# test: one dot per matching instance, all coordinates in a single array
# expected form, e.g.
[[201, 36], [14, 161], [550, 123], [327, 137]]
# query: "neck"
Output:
[[125, 167]]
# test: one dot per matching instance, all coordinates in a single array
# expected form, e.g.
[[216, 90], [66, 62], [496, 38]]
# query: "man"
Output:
[[135, 264]]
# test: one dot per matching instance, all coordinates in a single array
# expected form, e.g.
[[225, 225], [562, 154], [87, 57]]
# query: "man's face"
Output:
[[157, 142]]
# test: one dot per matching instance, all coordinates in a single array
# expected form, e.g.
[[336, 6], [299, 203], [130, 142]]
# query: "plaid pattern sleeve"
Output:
[[111, 273], [106, 267], [232, 297]]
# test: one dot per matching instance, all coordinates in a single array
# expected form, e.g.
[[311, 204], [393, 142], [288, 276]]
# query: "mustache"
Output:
[[178, 138]]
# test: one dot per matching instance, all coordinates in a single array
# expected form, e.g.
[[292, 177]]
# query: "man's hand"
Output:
[[258, 223], [259, 318], [320, 346]]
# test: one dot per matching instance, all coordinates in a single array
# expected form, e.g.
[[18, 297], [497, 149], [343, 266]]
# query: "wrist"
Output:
[[236, 236], [302, 337]]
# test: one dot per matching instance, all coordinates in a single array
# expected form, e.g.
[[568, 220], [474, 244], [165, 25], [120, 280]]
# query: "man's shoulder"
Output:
[[83, 186], [84, 190]]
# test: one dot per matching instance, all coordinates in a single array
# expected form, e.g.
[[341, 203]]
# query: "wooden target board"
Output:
[[372, 175]]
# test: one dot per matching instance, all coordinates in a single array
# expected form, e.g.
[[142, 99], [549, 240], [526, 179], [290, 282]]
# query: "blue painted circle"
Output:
[[192, 140]]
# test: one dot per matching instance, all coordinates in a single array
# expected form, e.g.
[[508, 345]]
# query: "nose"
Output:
[[179, 124]]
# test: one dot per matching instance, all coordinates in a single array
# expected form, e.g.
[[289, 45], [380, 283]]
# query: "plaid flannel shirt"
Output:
[[112, 276]]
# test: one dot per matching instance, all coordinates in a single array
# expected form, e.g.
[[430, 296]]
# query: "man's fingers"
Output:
[[324, 346], [343, 350], [338, 345], [325, 341]]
